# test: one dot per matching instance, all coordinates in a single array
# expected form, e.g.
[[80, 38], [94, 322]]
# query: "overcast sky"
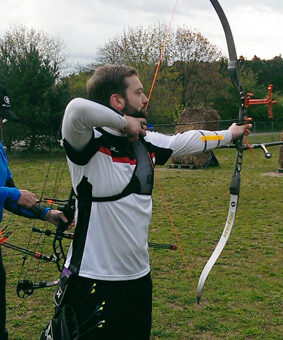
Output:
[[85, 25]]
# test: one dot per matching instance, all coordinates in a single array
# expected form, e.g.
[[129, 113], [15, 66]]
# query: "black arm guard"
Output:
[[35, 212]]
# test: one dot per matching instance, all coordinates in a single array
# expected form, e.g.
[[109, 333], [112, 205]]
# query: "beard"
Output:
[[130, 110]]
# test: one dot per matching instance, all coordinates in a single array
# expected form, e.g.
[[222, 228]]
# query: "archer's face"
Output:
[[136, 100]]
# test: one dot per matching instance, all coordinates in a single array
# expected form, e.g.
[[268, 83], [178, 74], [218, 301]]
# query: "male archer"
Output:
[[18, 201], [111, 157]]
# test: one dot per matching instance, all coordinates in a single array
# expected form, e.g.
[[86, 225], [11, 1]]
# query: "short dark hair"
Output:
[[107, 80]]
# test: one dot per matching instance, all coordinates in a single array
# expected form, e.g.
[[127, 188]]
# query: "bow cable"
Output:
[[25, 270]]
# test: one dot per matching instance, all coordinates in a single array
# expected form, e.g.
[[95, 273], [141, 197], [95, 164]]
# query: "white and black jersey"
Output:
[[112, 179]]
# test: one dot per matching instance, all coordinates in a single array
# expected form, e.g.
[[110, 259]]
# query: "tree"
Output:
[[258, 74], [135, 46], [141, 48], [77, 83], [30, 65], [267, 71]]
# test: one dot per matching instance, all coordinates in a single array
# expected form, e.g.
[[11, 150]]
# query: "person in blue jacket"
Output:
[[20, 202]]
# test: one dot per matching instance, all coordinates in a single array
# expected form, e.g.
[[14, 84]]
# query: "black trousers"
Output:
[[127, 310], [3, 332]]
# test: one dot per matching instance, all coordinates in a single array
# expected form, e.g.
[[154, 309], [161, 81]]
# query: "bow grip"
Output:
[[235, 185], [69, 211]]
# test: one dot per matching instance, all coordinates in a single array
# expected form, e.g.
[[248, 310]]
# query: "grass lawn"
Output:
[[242, 297]]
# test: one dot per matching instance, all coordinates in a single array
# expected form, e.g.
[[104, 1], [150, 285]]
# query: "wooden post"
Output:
[[280, 160]]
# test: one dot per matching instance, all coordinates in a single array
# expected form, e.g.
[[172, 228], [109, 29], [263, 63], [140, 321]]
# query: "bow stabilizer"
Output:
[[26, 288]]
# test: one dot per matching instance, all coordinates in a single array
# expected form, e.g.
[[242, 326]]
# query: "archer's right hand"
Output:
[[27, 199], [135, 127]]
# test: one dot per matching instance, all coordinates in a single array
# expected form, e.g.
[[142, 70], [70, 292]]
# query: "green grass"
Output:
[[242, 297]]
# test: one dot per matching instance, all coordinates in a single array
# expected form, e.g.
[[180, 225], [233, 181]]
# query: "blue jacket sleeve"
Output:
[[9, 194], [6, 191], [13, 194]]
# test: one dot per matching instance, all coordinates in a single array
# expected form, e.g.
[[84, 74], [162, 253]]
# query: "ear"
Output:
[[117, 101]]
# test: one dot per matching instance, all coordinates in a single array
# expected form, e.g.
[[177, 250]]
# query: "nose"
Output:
[[145, 99]]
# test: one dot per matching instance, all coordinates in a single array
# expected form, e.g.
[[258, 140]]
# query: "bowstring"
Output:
[[154, 170], [173, 226], [40, 242], [161, 54], [58, 177]]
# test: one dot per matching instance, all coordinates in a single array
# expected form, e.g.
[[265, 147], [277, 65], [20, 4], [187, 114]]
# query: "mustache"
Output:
[[134, 112], [142, 113]]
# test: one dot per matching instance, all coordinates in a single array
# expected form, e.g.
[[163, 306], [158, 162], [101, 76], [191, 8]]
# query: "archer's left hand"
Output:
[[55, 216], [240, 130]]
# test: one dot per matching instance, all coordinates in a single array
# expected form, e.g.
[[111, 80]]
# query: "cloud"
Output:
[[86, 25], [255, 25]]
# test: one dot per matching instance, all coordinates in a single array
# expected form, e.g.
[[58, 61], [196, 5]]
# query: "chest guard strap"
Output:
[[142, 180]]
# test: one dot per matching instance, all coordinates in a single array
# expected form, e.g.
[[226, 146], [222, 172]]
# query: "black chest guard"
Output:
[[142, 180], [143, 177]]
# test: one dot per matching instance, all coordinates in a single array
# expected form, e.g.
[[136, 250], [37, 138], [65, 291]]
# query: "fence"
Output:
[[272, 128]]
